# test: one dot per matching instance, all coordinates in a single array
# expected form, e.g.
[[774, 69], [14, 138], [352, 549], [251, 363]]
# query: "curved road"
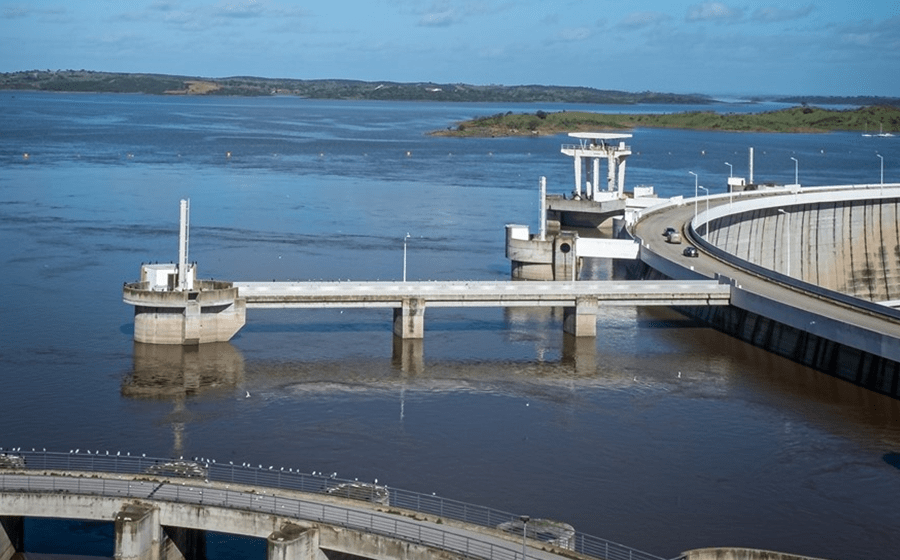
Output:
[[649, 231]]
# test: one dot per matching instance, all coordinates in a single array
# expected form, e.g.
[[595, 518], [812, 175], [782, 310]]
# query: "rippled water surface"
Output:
[[663, 435]]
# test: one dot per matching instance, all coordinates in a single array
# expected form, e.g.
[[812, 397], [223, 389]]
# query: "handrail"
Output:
[[284, 479]]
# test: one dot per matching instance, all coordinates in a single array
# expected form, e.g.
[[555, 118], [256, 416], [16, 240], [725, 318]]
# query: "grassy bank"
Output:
[[795, 119]]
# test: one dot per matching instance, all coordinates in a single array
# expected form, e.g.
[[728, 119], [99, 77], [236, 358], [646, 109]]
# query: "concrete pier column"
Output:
[[409, 319], [183, 544], [611, 172], [621, 180], [137, 533], [581, 320], [12, 536], [293, 542], [407, 354]]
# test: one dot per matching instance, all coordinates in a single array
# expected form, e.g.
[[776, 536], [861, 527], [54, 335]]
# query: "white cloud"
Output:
[[575, 34], [241, 9], [713, 11], [638, 20], [46, 14], [439, 19], [772, 14]]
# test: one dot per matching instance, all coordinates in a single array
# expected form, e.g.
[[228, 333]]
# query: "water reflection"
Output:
[[167, 371]]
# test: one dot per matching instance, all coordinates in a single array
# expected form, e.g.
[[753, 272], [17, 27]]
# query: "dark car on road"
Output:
[[690, 252]]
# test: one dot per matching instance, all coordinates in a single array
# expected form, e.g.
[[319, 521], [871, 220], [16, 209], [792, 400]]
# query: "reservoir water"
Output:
[[679, 437]]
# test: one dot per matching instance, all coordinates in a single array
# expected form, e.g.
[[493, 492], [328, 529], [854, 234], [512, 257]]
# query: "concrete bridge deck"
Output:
[[579, 300], [480, 293], [215, 311]]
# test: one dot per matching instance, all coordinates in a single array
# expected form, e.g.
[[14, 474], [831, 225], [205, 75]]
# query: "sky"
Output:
[[729, 47]]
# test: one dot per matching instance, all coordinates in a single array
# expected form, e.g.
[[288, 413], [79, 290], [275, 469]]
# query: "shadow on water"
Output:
[[892, 459]]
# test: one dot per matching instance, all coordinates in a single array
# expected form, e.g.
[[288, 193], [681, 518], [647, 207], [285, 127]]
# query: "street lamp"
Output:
[[404, 256], [730, 170], [796, 170], [788, 216], [881, 157], [524, 519], [695, 193], [706, 228]]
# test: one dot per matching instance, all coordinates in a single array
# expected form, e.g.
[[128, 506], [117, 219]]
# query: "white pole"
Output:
[[524, 519], [881, 157], [404, 256], [542, 211], [183, 245], [706, 225], [695, 193], [796, 171], [751, 166], [730, 169]]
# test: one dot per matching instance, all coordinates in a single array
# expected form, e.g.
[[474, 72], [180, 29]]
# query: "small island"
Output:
[[874, 119]]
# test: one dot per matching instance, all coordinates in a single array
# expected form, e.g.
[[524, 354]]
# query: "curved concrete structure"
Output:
[[210, 312], [811, 269], [161, 508]]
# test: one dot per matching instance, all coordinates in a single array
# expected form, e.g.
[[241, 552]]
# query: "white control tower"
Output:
[[592, 147]]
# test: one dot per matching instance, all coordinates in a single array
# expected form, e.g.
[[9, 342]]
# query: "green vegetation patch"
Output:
[[794, 119]]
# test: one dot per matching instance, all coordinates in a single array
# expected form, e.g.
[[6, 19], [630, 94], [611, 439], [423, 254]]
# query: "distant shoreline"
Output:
[[87, 81]]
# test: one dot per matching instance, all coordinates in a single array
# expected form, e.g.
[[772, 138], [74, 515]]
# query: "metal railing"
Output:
[[203, 469]]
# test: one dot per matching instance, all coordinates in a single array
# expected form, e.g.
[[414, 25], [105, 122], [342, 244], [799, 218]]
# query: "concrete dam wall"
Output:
[[850, 246]]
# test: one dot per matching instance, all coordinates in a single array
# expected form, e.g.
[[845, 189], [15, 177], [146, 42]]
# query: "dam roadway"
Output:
[[814, 315]]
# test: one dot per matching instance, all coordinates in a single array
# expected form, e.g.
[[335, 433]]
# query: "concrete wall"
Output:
[[554, 258], [851, 246], [191, 324], [739, 554]]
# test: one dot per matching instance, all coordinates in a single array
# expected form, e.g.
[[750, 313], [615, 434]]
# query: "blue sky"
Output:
[[815, 47]]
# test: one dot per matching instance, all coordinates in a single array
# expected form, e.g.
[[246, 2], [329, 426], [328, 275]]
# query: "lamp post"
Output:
[[525, 519], [788, 216], [404, 256], [706, 225], [796, 171], [730, 170], [881, 157], [695, 192]]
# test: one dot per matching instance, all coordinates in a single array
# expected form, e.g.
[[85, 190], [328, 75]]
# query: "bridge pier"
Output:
[[409, 319], [12, 536], [293, 542], [137, 532], [581, 320]]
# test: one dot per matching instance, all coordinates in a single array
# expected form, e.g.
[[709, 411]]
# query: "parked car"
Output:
[[690, 252]]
